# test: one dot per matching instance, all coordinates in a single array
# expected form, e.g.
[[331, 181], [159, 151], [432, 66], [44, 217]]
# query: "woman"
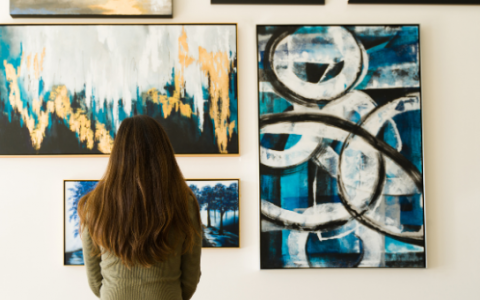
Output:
[[141, 227]]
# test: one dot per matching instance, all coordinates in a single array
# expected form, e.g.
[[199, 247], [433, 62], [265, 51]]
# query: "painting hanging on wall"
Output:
[[92, 8], [73, 191], [414, 1], [295, 2], [341, 160], [219, 211], [65, 89]]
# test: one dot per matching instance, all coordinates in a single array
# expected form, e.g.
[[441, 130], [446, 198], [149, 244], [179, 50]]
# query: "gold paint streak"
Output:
[[217, 66], [36, 105], [105, 141], [59, 103], [183, 57], [185, 110], [59, 96], [169, 104], [29, 58], [81, 124], [37, 132], [42, 60], [36, 67], [230, 129], [122, 7]]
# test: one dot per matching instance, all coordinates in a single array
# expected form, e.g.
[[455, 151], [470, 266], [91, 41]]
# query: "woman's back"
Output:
[[141, 226], [174, 279]]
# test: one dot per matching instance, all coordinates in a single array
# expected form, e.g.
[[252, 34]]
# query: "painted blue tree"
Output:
[[74, 191], [218, 202]]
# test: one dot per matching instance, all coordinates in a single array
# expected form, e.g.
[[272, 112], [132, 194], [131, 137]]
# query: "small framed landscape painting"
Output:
[[219, 210], [278, 2], [341, 147], [414, 2], [92, 8], [65, 89]]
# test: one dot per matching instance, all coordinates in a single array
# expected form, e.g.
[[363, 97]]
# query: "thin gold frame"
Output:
[[136, 24], [195, 179]]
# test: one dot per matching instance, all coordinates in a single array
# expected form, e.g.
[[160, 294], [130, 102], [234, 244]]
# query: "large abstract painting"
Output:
[[414, 2], [341, 164], [219, 211], [91, 8], [65, 89], [296, 2]]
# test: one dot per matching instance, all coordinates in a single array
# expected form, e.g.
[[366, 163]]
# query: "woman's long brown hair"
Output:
[[141, 198]]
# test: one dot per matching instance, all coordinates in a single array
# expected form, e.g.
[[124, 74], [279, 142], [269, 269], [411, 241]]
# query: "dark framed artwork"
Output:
[[219, 210], [414, 2], [341, 151], [92, 8], [65, 89], [275, 2]]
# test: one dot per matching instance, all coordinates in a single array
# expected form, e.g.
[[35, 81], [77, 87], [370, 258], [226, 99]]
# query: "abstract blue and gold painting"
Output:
[[65, 89], [341, 159], [219, 211]]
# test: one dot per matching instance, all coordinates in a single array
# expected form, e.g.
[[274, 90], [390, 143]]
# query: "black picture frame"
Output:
[[271, 2], [450, 2], [262, 169]]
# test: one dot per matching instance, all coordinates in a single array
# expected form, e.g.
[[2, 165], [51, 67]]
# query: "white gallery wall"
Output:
[[31, 189]]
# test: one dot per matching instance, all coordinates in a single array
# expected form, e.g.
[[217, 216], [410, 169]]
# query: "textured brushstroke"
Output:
[[217, 67]]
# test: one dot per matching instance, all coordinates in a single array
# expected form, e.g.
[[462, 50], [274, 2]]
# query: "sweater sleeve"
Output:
[[191, 260], [92, 264]]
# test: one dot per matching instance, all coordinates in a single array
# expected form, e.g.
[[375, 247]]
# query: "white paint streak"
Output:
[[110, 62]]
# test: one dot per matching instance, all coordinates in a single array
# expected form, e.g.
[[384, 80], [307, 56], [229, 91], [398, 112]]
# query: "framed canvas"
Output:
[[73, 191], [92, 8], [414, 1], [65, 89], [219, 211], [292, 2], [341, 158]]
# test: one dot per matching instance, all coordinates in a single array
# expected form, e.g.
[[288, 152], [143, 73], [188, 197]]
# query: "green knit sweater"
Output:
[[173, 279]]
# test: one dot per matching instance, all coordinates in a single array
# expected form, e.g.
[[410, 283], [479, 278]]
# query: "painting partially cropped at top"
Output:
[[467, 2], [65, 90], [273, 2], [158, 8]]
